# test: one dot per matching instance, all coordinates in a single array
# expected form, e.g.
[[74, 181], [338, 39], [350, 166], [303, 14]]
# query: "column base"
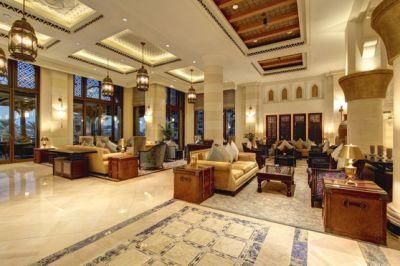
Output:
[[393, 216]]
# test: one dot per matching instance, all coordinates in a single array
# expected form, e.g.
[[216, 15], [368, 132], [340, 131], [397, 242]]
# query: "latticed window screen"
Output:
[[26, 75], [105, 98], [93, 89], [77, 86], [3, 80]]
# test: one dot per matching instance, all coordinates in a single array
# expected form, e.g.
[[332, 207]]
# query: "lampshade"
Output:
[[351, 152], [192, 97]]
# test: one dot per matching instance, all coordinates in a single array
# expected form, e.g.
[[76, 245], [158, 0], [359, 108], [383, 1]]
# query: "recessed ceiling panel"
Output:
[[282, 62], [262, 22], [67, 13], [128, 43], [101, 61], [184, 74], [43, 39]]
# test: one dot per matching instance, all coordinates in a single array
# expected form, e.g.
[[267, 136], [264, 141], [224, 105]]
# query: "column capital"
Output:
[[366, 84], [385, 21]]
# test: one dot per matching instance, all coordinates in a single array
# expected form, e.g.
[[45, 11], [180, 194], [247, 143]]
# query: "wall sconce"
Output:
[[60, 111], [251, 115]]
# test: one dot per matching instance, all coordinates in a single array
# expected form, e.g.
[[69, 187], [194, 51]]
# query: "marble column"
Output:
[[213, 99], [155, 102], [364, 93], [189, 122], [128, 113], [385, 21]]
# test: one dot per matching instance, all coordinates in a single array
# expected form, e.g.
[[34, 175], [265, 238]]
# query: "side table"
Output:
[[41, 155], [355, 210], [123, 167], [193, 184]]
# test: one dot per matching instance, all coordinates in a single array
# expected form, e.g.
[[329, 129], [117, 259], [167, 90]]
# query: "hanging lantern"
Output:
[[22, 40], [3, 63], [192, 98], [142, 78], [107, 86]]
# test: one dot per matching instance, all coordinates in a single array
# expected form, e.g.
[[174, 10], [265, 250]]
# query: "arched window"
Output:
[[284, 94], [271, 96], [299, 93], [314, 91]]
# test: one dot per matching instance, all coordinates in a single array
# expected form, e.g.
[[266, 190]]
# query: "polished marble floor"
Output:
[[41, 214]]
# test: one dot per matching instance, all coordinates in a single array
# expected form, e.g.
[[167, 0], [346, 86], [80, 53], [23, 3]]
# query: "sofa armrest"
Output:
[[108, 155], [247, 156], [218, 166]]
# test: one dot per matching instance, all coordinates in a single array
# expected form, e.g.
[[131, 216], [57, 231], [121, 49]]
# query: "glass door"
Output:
[[4, 126]]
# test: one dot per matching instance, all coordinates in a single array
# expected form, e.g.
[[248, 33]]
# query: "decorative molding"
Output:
[[188, 82], [98, 65], [134, 58], [88, 23], [280, 71], [287, 46], [52, 44], [43, 21]]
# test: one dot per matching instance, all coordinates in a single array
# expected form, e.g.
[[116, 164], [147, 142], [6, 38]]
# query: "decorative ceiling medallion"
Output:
[[43, 39], [127, 43], [91, 58], [281, 64], [185, 74], [67, 13]]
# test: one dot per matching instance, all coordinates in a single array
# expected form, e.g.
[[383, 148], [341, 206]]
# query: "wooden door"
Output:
[[299, 126], [315, 127], [285, 127], [272, 128]]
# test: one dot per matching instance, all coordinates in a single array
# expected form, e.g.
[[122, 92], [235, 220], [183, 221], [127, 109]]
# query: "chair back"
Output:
[[89, 140], [154, 157]]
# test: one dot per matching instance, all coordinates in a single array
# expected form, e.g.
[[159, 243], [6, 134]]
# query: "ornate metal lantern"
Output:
[[3, 63], [192, 98], [142, 78], [107, 86]]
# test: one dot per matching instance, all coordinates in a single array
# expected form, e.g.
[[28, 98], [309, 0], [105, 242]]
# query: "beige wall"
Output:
[[54, 85]]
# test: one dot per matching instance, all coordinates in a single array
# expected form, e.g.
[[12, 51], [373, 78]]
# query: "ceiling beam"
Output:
[[228, 3], [271, 33], [272, 21], [260, 9], [282, 63]]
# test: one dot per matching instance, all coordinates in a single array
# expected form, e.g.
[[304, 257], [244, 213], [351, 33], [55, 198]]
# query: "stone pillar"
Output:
[[385, 21], [364, 93], [213, 99], [240, 117], [128, 113], [252, 110], [189, 122], [155, 115]]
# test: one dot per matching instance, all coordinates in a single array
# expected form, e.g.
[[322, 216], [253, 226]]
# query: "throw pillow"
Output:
[[236, 150], [298, 144], [229, 150], [218, 154], [285, 146], [100, 144], [112, 147], [248, 145], [325, 147], [336, 152]]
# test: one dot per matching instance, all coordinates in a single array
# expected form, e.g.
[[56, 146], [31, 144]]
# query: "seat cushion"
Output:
[[245, 166], [237, 173]]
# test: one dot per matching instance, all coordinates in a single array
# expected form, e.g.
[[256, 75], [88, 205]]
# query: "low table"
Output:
[[70, 163], [41, 155], [287, 160], [123, 167], [279, 173]]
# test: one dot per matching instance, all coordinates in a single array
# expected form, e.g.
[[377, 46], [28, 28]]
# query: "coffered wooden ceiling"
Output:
[[262, 22], [282, 62]]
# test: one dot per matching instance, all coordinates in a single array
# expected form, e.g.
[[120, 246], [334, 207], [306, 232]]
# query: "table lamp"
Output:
[[350, 153]]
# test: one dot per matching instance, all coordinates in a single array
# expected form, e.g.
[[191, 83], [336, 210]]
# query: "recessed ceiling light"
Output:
[[94, 69], [194, 61], [124, 19], [171, 85], [167, 45], [235, 7]]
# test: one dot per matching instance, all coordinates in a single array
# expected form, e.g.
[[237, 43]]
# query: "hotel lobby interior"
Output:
[[199, 132]]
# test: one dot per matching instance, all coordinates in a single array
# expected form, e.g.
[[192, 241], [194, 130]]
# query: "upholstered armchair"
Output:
[[136, 144], [153, 158]]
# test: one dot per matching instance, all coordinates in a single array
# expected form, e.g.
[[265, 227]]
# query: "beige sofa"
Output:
[[98, 162], [229, 176]]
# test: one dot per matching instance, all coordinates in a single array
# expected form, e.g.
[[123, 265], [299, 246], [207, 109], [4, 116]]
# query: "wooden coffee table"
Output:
[[123, 167], [278, 173]]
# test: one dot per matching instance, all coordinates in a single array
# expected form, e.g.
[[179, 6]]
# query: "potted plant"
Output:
[[251, 137], [167, 132]]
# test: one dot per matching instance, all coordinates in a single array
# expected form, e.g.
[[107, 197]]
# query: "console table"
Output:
[[41, 155], [355, 210]]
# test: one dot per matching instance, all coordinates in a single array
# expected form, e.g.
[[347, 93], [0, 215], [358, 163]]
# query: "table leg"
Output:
[[259, 180], [288, 189]]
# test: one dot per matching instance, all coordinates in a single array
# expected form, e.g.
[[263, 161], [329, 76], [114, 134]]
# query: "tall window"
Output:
[[299, 126], [19, 117], [285, 127], [284, 94], [271, 96], [314, 91], [175, 113], [299, 93], [199, 123], [139, 123], [229, 123], [95, 114], [272, 128]]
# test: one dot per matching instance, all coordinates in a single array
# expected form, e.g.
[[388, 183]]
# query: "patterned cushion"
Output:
[[298, 144], [218, 154], [285, 145]]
